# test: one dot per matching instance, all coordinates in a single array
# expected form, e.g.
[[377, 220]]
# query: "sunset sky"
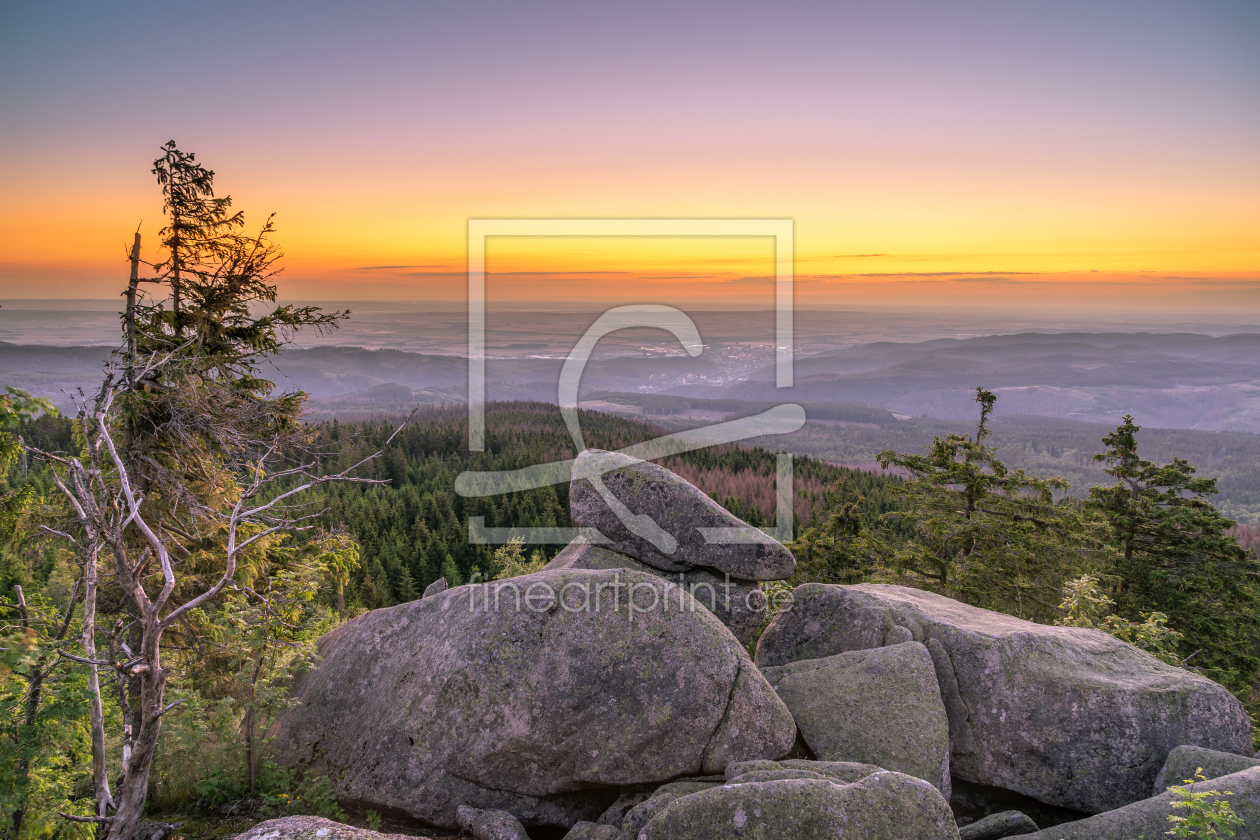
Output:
[[1058, 155]]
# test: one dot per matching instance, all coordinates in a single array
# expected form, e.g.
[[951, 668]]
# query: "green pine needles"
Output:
[[986, 535]]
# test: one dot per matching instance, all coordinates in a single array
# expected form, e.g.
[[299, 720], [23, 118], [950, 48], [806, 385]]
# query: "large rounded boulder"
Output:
[[1071, 717], [653, 515], [880, 707], [739, 604], [539, 695]]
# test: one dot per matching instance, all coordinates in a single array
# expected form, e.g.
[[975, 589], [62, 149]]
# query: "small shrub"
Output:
[[511, 562], [1085, 604], [1207, 814], [287, 793]]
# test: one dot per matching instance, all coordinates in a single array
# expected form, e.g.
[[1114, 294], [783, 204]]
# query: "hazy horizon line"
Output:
[[114, 305]]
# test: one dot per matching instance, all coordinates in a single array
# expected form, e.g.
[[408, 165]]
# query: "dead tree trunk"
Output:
[[100, 777]]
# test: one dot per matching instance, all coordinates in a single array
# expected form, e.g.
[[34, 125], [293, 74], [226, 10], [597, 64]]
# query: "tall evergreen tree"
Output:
[[1177, 557], [178, 449], [984, 534]]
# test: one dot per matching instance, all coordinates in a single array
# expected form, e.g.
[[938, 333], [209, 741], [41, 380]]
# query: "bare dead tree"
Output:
[[141, 540]]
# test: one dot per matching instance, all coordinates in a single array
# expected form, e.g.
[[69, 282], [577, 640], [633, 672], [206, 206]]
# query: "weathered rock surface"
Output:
[[880, 706], [997, 826], [837, 771], [1149, 818], [672, 511], [639, 815], [1068, 716], [539, 706], [434, 588], [882, 806], [1184, 761], [489, 824], [594, 831], [314, 828], [739, 604]]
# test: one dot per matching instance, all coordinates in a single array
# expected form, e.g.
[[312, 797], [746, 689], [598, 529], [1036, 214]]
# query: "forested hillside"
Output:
[[414, 529], [1042, 445]]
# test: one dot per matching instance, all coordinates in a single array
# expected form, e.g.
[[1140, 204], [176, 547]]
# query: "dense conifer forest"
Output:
[[414, 529]]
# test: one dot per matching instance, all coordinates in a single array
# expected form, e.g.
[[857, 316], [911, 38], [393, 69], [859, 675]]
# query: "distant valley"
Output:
[[1197, 395]]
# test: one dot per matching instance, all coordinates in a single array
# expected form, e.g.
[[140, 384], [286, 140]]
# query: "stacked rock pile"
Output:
[[610, 696]]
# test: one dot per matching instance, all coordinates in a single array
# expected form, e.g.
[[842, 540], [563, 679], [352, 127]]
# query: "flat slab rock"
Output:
[[526, 706], [881, 806], [314, 828], [678, 509], [1149, 818], [880, 707], [1071, 717], [739, 604]]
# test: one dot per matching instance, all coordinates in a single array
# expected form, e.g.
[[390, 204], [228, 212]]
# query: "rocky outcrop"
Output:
[[1149, 818], [997, 826], [879, 706], [1185, 762], [1071, 717], [882, 806], [541, 696], [739, 604], [314, 828], [434, 588], [668, 515]]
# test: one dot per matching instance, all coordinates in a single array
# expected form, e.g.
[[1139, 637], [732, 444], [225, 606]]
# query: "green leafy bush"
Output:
[[1085, 604], [1206, 814]]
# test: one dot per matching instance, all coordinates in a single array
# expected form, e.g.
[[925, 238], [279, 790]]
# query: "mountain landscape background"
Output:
[[869, 381]]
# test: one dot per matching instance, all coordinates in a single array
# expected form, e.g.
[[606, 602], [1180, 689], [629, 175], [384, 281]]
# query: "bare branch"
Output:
[[82, 660], [61, 534], [170, 706], [78, 819]]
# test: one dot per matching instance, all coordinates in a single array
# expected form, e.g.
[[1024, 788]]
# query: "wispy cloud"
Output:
[[554, 275], [395, 267], [904, 276], [941, 274]]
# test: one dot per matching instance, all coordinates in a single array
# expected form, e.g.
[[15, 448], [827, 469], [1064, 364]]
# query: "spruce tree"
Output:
[[986, 535], [1177, 557]]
